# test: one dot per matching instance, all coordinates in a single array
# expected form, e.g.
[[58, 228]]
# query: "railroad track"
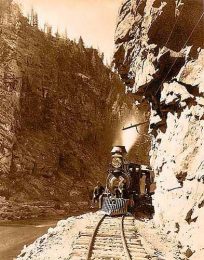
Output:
[[112, 238]]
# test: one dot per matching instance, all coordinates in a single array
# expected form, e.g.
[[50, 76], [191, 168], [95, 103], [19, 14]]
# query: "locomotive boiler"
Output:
[[122, 184]]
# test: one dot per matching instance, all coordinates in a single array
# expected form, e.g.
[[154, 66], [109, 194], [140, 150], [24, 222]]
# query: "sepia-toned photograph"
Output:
[[101, 129]]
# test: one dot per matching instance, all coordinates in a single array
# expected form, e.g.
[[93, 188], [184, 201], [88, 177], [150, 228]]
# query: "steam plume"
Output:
[[127, 137]]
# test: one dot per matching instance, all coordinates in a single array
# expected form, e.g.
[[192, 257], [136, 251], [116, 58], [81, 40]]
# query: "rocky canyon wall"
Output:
[[160, 57], [59, 111]]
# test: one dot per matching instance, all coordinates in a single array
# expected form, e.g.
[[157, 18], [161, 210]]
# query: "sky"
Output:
[[94, 20]]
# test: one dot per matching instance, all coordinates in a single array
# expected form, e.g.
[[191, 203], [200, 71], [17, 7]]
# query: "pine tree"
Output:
[[65, 36], [45, 27], [49, 30], [32, 17], [102, 56], [81, 44], [28, 17], [93, 59], [57, 35], [35, 20]]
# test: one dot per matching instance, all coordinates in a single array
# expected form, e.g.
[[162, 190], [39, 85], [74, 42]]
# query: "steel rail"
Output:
[[125, 246], [124, 242], [91, 244]]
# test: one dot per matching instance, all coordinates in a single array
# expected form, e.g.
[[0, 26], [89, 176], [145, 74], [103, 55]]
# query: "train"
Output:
[[123, 184]]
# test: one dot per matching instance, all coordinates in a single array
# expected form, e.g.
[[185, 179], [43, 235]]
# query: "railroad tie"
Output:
[[109, 238]]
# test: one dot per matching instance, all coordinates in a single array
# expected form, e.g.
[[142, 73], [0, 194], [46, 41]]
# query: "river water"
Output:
[[14, 235]]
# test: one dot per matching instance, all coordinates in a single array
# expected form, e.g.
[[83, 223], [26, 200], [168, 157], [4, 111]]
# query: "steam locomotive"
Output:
[[123, 184]]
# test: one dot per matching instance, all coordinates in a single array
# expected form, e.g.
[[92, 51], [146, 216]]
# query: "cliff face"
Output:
[[160, 57], [59, 111]]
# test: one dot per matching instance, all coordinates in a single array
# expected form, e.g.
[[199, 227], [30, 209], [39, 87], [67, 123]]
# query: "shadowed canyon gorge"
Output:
[[62, 110]]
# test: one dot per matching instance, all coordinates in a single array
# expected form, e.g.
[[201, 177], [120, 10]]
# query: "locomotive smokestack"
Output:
[[119, 149]]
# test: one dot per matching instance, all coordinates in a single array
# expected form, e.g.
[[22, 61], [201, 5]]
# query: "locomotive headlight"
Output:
[[116, 162]]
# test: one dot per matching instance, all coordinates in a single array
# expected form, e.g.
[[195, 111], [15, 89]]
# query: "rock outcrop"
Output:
[[160, 57], [59, 109]]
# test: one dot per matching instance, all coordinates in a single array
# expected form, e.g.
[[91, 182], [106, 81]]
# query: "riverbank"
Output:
[[14, 235]]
